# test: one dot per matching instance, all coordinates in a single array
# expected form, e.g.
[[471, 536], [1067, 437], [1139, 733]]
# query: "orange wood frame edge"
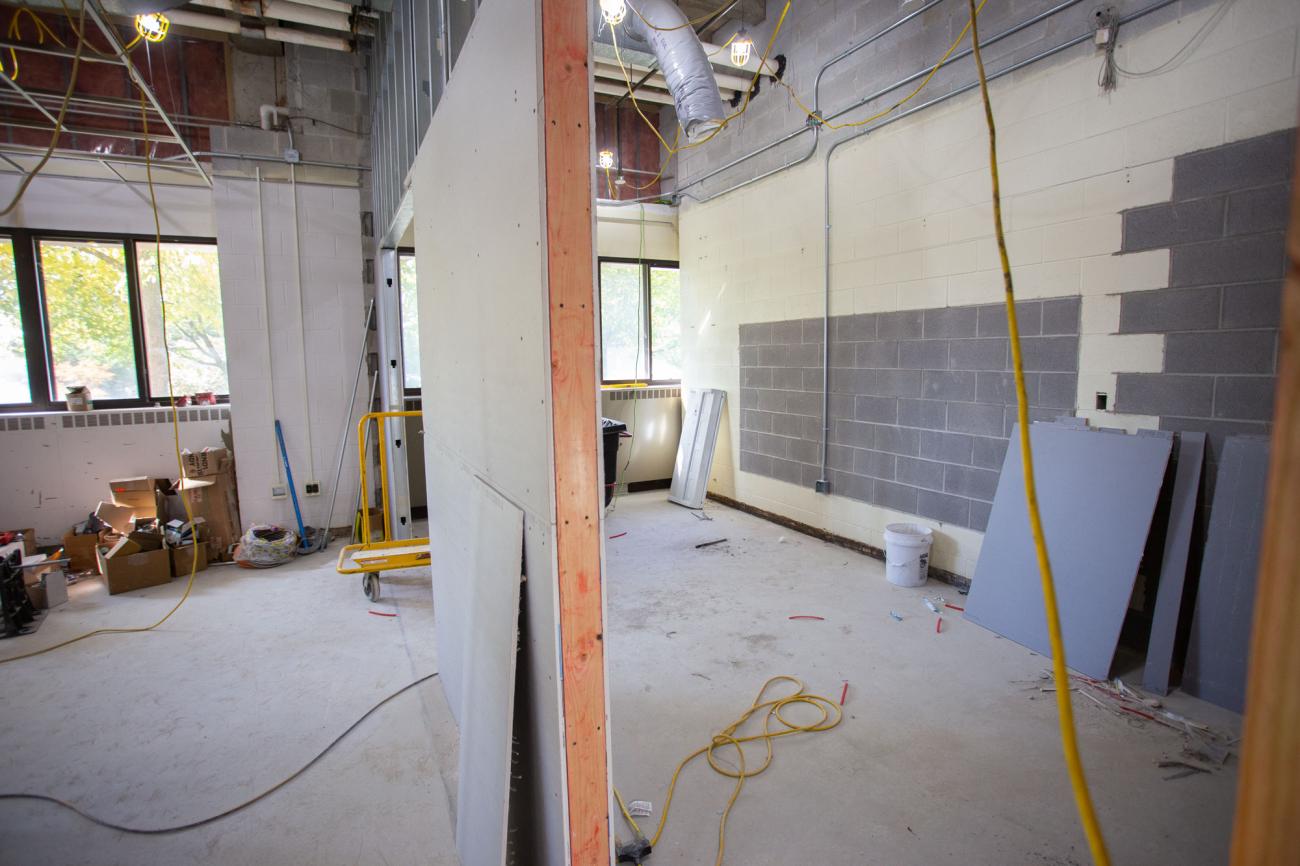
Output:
[[1268, 787], [566, 113]]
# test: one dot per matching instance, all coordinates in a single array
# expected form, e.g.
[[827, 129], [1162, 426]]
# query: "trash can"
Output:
[[907, 553], [612, 430]]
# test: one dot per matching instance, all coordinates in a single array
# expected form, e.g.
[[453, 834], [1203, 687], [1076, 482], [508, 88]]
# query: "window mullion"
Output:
[[137, 322], [32, 311], [645, 323]]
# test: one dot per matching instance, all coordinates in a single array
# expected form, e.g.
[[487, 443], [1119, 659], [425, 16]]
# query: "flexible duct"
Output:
[[685, 66]]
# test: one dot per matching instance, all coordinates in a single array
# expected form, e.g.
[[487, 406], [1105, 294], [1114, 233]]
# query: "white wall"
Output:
[[911, 211], [82, 204], [619, 231], [308, 358], [57, 467], [484, 351]]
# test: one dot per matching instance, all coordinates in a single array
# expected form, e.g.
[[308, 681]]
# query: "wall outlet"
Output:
[[279, 491], [312, 488]]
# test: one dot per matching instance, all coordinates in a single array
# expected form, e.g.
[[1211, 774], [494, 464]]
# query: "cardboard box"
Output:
[[145, 496], [135, 570], [213, 498], [81, 550], [209, 461], [183, 556], [120, 517], [50, 591]]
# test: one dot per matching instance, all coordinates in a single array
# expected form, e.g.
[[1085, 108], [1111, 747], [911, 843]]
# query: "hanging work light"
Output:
[[613, 11], [152, 26], [605, 159], [741, 47]]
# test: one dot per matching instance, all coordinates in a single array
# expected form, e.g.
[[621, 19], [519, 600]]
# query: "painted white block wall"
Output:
[[298, 338], [54, 476], [912, 225]]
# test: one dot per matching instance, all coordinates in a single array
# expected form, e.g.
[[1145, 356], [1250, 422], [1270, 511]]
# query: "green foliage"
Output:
[[13, 363], [621, 325], [195, 330], [666, 322]]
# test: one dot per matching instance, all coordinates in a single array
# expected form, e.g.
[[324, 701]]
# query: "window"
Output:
[[406, 301], [87, 311], [640, 321]]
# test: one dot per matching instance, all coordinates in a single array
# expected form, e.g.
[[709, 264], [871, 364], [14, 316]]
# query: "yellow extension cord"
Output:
[[831, 715], [176, 429], [1064, 709]]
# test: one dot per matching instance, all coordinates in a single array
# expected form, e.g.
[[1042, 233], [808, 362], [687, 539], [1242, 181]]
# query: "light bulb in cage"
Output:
[[613, 11], [152, 26], [605, 159], [741, 47]]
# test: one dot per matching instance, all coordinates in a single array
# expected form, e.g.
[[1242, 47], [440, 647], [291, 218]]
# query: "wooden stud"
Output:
[[566, 116], [1268, 787]]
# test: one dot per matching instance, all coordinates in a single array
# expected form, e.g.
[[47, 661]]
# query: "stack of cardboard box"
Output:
[[209, 489]]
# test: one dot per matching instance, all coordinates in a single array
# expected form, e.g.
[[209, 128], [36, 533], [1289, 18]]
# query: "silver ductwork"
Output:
[[685, 66]]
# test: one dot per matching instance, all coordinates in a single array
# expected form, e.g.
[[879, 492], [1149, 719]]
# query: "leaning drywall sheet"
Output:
[[695, 449], [1219, 648], [1097, 494], [1173, 563], [494, 528]]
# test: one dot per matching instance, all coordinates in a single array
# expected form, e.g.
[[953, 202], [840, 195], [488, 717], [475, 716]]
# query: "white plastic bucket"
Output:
[[907, 553]]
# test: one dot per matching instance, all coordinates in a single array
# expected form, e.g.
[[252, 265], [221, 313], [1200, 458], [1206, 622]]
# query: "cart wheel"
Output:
[[370, 585]]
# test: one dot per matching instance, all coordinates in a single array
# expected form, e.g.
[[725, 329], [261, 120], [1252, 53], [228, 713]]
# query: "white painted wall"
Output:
[[484, 350], [912, 223], [55, 475], [314, 310], [619, 231], [83, 204]]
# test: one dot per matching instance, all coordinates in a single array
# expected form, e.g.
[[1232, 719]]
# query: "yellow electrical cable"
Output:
[[176, 429], [1065, 711], [831, 715]]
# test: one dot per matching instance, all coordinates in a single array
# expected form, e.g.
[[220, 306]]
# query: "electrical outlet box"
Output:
[[279, 491], [312, 488]]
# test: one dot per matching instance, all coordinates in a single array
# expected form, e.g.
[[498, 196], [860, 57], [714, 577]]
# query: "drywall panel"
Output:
[[85, 205], [1219, 648], [1096, 493], [490, 543], [485, 359], [646, 231], [1173, 564]]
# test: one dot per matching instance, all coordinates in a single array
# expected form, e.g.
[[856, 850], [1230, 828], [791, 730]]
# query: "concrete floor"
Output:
[[945, 754], [254, 675]]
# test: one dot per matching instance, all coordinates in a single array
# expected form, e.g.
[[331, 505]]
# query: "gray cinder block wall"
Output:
[[921, 403], [1225, 229]]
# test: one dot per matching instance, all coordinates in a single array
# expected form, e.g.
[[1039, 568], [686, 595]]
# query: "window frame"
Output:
[[35, 316], [648, 347], [407, 252]]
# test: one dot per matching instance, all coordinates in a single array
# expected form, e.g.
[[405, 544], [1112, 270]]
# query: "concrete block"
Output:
[[876, 464], [943, 507], [854, 433], [752, 419], [787, 378], [767, 443], [787, 333], [771, 401], [803, 451], [1059, 354], [1244, 398], [881, 410], [970, 482], [759, 464], [978, 418], [855, 328], [1217, 430], [1162, 310], [923, 354], [948, 322], [748, 356], [1221, 352], [930, 414], [1000, 387], [787, 470], [1011, 417], [920, 473], [1253, 162], [1171, 223], [803, 402], [748, 398], [756, 377], [953, 385], [979, 515], [844, 355], [876, 354], [977, 354], [853, 381], [1266, 209], [812, 330], [812, 428], [840, 457], [988, 453], [901, 325], [853, 486], [1245, 259], [1163, 394], [1056, 391], [1086, 237], [944, 447], [1060, 316], [787, 425], [897, 497], [897, 383], [758, 334], [1252, 305], [1134, 272], [993, 319], [1131, 353], [897, 440]]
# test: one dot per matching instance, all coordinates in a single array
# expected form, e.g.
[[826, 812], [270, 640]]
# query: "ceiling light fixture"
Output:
[[605, 159], [741, 47], [620, 180], [613, 11], [152, 26]]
